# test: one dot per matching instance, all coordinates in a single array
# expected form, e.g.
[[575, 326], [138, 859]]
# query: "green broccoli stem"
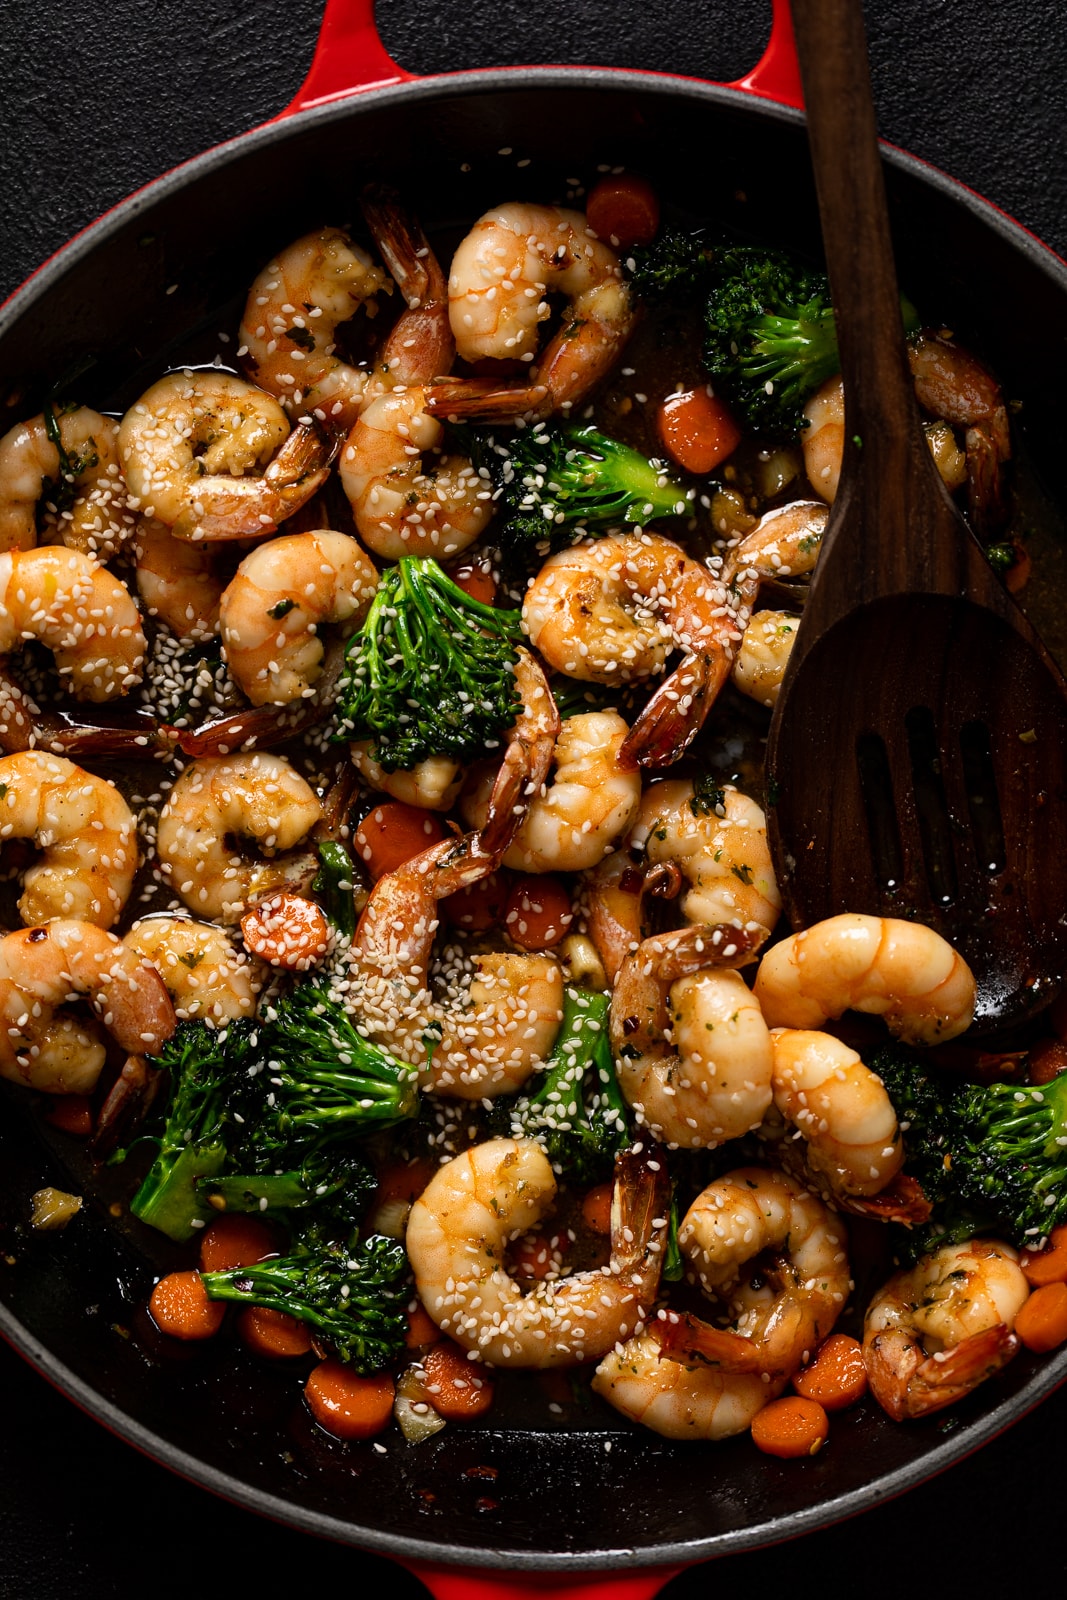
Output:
[[335, 885], [673, 1263], [332, 1178], [354, 1299], [431, 672], [578, 1111]]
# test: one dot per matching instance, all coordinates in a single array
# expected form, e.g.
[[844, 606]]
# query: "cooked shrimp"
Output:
[[764, 655], [692, 1051], [898, 970], [821, 1087], [289, 329], [178, 580], [680, 1401], [937, 1330], [420, 345], [433, 783], [612, 610], [78, 610], [457, 1237], [402, 508], [190, 447], [66, 464], [589, 801], [258, 797], [781, 1311], [514, 257], [84, 830], [281, 595], [785, 543], [955, 388], [205, 975], [46, 1048]]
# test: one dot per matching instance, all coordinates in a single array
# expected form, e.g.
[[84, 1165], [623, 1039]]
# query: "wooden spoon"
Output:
[[917, 759]]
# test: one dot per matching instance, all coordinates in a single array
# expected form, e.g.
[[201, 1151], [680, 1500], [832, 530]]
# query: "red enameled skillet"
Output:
[[569, 1513]]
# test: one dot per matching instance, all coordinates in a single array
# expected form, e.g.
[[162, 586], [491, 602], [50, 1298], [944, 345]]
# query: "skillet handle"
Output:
[[350, 56], [457, 1583]]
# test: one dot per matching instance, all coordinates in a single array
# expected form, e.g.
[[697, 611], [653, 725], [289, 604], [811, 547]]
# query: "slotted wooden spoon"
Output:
[[917, 759]]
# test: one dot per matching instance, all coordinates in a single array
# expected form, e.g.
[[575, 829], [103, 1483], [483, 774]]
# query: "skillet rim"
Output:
[[963, 1441]]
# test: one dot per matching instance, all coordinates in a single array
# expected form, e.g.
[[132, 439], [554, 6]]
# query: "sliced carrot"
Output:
[[348, 1406], [1048, 1265], [624, 210], [1041, 1321], [405, 1180], [532, 1257], [391, 834], [456, 1387], [1046, 1061], [476, 579], [274, 1334], [596, 1208], [179, 1306], [837, 1377], [235, 1241], [790, 1427], [697, 430], [287, 931], [537, 912], [72, 1113], [481, 906], [422, 1329]]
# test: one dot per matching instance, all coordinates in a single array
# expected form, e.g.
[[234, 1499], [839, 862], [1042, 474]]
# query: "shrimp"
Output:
[[190, 446], [952, 385], [489, 1040], [692, 1051], [54, 1051], [84, 830], [457, 1237], [259, 797], [937, 1330], [764, 655], [782, 1310], [612, 610], [69, 461], [289, 328], [205, 975], [433, 783], [680, 1401], [178, 580], [821, 1087], [400, 506], [515, 256], [899, 970], [589, 802], [78, 610], [282, 593], [785, 543]]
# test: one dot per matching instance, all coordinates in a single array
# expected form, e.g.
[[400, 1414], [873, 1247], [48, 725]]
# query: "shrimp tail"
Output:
[[640, 1205], [902, 1200], [472, 400], [422, 341], [690, 1341], [527, 759], [264, 727], [251, 508], [908, 1385], [675, 714]]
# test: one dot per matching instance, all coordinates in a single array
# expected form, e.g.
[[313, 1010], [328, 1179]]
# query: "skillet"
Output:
[[72, 307]]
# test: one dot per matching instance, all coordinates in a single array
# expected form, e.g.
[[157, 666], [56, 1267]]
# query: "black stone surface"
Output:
[[100, 99]]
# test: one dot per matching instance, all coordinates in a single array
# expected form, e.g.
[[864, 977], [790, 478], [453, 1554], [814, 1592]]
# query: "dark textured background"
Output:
[[102, 99]]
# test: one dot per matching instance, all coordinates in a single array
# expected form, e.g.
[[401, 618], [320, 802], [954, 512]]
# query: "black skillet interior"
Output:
[[136, 294]]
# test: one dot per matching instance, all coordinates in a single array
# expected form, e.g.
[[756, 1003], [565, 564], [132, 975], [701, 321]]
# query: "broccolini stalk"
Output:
[[354, 1298], [578, 1113], [333, 1179], [334, 884], [431, 671], [996, 1152], [201, 1062], [555, 484]]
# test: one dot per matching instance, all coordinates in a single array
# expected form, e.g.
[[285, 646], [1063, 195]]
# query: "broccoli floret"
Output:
[[334, 1180], [553, 485], [354, 1298], [431, 672], [996, 1152], [771, 338], [675, 267], [578, 1112], [202, 1063]]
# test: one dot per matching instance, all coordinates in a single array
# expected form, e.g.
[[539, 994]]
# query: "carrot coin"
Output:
[[623, 209], [287, 931], [391, 834], [697, 430], [271, 1333], [1041, 1321], [346, 1405], [537, 912], [790, 1428], [235, 1241], [596, 1208], [457, 1388], [837, 1377], [179, 1307], [1048, 1265]]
